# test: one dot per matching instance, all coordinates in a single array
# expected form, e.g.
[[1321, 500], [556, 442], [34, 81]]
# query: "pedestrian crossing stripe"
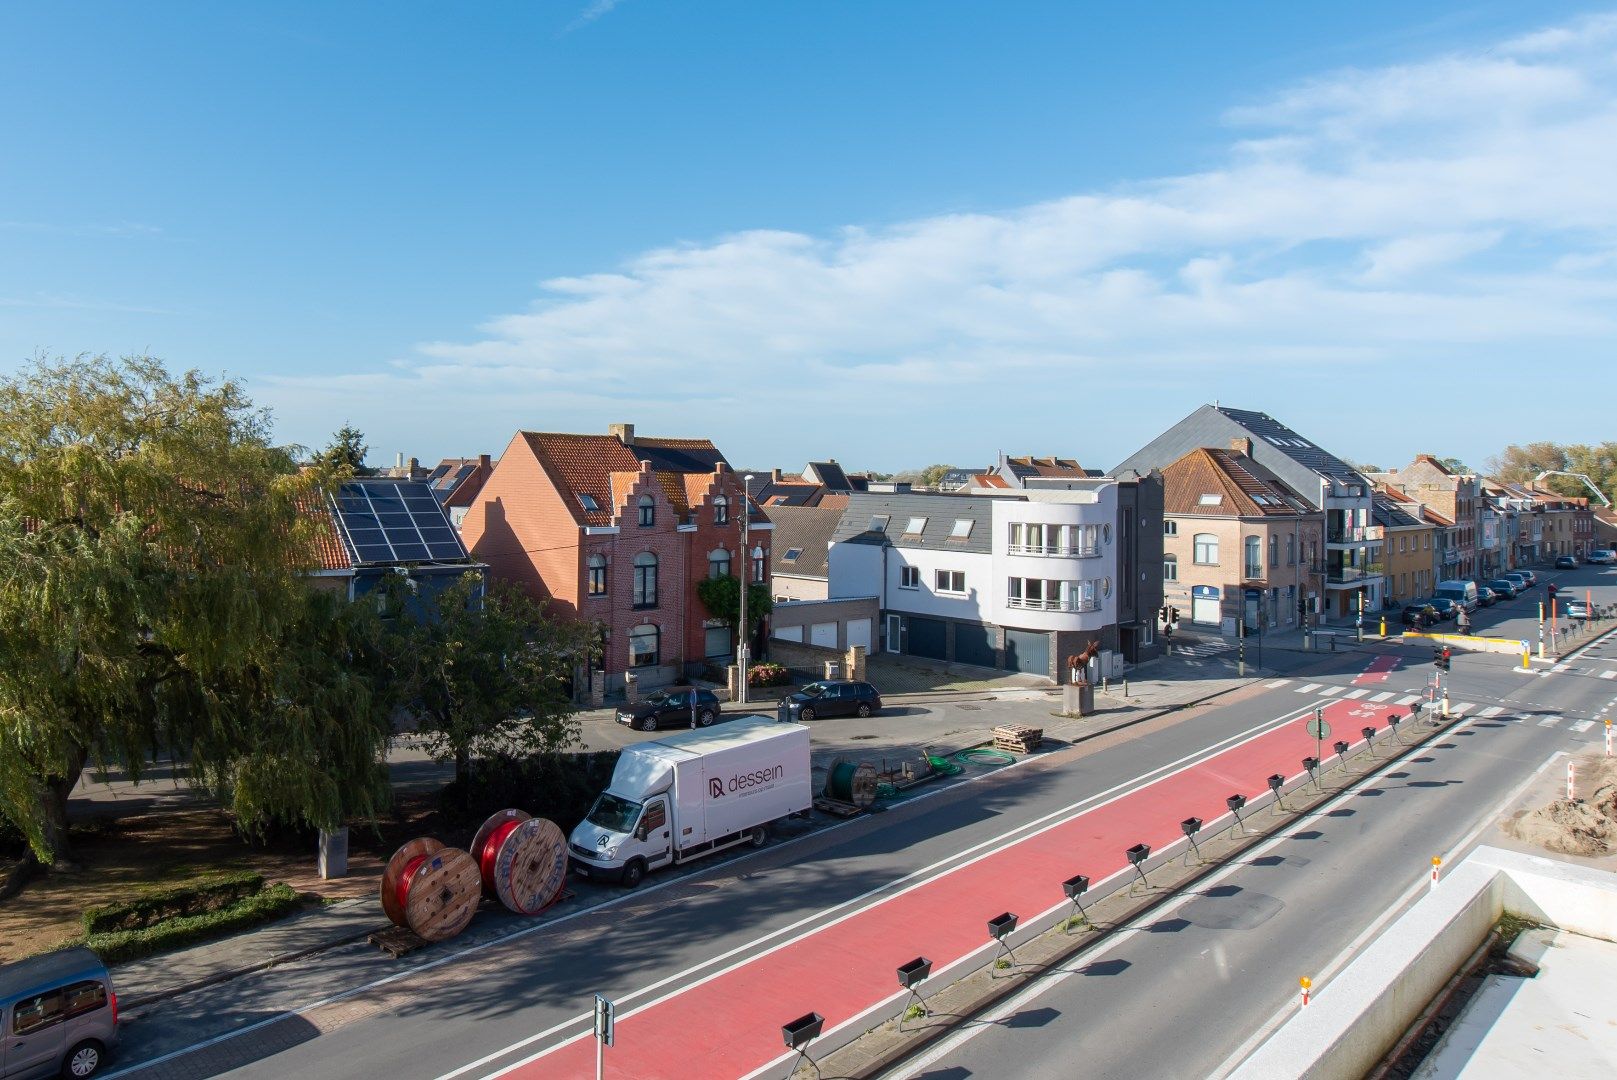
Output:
[[1353, 695], [1462, 708], [1330, 691], [1278, 683], [1608, 674], [1549, 721], [1409, 700], [1583, 725], [1309, 689], [1383, 696], [1491, 711]]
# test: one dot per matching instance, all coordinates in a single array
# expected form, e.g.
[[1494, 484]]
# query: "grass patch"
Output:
[[116, 946], [202, 896]]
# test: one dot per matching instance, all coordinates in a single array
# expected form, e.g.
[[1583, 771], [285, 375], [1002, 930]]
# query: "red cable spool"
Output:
[[522, 860], [430, 889], [406, 878]]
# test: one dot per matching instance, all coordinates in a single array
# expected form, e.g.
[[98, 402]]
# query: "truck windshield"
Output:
[[613, 814]]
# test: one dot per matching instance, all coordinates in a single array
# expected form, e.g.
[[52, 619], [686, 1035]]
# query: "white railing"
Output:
[[1052, 605], [1055, 551]]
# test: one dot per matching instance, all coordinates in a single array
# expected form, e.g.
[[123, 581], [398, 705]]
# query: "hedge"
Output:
[[560, 787], [120, 945], [202, 897]]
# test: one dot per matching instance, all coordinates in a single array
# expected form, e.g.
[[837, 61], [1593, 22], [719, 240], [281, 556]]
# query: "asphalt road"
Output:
[[335, 1016], [1179, 994]]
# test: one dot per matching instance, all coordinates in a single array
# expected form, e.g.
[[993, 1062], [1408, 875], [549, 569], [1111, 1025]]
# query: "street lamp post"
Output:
[[743, 649]]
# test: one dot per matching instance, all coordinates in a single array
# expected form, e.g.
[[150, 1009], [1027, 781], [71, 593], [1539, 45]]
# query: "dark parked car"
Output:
[[671, 707], [1567, 562], [834, 697], [1523, 582], [1419, 614], [1505, 587], [1486, 596], [1446, 608]]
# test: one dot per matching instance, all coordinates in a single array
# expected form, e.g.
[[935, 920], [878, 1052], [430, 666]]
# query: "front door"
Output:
[[34, 1035], [655, 832], [895, 634]]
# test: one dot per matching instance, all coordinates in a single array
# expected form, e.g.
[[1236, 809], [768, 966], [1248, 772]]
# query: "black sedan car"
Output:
[[1505, 587], [1446, 608], [671, 707], [1486, 597], [1566, 562], [834, 697], [1419, 614]]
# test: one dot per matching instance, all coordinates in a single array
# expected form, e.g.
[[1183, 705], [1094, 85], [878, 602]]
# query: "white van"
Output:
[[1463, 593]]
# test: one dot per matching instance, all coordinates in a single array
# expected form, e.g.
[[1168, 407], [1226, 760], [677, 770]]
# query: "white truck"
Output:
[[691, 794]]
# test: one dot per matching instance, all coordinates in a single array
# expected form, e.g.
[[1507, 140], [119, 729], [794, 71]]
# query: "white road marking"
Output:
[[1352, 695], [1383, 696], [1409, 700], [1608, 674], [1330, 691], [1278, 683], [1580, 726], [1491, 710], [1549, 721], [1462, 708], [1309, 689]]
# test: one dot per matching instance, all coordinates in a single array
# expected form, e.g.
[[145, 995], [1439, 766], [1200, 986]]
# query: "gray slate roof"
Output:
[[940, 512], [807, 530], [1389, 514]]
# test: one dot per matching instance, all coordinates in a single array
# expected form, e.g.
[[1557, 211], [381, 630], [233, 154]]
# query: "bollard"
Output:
[[1608, 738], [1571, 787], [1437, 862], [1307, 984], [1125, 687], [1383, 626]]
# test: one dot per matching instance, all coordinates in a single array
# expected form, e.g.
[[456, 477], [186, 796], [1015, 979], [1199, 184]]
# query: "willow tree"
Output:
[[154, 552]]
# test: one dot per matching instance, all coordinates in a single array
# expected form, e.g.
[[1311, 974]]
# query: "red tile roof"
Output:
[[602, 467], [1246, 489]]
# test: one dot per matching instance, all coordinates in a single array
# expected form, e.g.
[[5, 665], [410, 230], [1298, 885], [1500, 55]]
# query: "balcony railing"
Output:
[[1052, 605], [1254, 573], [1350, 534], [1348, 575], [1054, 551]]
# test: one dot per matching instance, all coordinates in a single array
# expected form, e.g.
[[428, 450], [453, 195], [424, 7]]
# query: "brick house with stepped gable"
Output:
[[618, 529]]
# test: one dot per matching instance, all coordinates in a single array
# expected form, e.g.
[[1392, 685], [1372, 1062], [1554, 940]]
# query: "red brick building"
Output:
[[618, 529]]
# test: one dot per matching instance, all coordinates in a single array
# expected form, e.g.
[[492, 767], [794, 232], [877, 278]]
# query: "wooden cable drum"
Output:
[[431, 889], [522, 860], [852, 783]]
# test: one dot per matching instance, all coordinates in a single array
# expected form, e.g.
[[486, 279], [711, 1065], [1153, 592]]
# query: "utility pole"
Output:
[[744, 648]]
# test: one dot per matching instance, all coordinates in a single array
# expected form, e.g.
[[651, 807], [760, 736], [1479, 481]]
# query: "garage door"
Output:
[[789, 633], [974, 644], [859, 633], [823, 634], [927, 637], [1027, 651]]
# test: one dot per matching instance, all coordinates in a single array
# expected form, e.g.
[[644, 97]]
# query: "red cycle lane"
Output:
[[1377, 670], [729, 1024]]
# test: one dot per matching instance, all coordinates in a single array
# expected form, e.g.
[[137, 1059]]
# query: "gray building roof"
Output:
[[1389, 515], [886, 517], [1295, 460], [805, 531]]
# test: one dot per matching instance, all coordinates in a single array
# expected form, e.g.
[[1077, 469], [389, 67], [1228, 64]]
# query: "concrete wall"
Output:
[[806, 613]]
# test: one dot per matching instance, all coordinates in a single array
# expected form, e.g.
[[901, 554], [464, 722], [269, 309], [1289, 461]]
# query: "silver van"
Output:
[[58, 1014]]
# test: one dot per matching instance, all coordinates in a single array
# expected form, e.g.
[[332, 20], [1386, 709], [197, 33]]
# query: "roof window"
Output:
[[878, 522], [1211, 500], [792, 555], [588, 502], [962, 529], [916, 527]]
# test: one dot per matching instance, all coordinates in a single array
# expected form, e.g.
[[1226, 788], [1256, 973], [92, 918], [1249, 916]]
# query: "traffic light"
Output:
[[1302, 605], [1444, 658]]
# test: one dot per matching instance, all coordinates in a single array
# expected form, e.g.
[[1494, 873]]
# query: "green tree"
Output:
[[933, 473], [1597, 462], [488, 671], [722, 598], [346, 450], [154, 546], [1455, 465], [1516, 464]]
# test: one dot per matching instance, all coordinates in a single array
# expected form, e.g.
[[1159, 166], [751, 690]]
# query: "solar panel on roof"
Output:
[[386, 523]]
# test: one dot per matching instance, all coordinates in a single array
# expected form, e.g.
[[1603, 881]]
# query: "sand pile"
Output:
[[1587, 826]]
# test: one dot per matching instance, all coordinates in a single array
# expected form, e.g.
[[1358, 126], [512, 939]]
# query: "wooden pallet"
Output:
[[397, 941], [1018, 738], [838, 807]]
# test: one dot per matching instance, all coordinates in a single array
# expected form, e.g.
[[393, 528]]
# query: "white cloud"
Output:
[[1464, 202]]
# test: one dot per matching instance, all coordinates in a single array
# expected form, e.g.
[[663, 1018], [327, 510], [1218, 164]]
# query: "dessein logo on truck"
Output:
[[742, 782]]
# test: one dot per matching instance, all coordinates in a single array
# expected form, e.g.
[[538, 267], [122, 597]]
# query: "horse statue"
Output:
[[1078, 663]]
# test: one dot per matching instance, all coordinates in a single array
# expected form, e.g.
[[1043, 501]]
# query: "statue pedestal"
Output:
[[1078, 699]]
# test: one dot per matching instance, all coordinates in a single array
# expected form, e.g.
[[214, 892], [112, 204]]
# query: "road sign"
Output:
[[605, 1017], [1319, 728]]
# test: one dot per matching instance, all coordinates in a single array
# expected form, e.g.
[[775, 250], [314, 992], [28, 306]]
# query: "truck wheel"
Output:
[[863, 710], [759, 836], [705, 718], [648, 723], [806, 715], [84, 1060], [632, 873]]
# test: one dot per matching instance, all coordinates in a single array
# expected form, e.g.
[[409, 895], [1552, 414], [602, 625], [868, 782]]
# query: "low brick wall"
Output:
[[810, 660]]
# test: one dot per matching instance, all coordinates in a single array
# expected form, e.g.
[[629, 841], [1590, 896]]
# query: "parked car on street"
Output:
[[1419, 614], [1566, 562], [833, 697], [1446, 608], [1486, 596], [1574, 609], [1601, 558], [1521, 580], [1527, 576], [1505, 587], [59, 1013], [671, 706]]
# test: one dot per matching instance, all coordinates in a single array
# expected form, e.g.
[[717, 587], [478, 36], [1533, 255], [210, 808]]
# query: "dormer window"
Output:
[[648, 511], [588, 503]]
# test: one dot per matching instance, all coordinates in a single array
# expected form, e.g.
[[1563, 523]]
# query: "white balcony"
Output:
[[1053, 551], [1030, 604]]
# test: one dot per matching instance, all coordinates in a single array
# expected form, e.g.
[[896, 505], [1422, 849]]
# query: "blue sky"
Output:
[[891, 233]]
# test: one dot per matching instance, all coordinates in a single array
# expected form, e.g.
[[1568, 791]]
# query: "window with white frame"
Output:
[[648, 511], [909, 577], [1170, 568], [643, 646], [721, 513], [962, 529], [1206, 549], [951, 581], [597, 575], [916, 526], [760, 565], [718, 563], [1170, 527]]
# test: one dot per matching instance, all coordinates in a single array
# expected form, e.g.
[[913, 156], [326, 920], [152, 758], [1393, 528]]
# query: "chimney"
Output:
[[483, 461], [1242, 446], [774, 476], [415, 467], [623, 432]]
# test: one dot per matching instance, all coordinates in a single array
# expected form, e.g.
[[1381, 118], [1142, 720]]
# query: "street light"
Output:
[[743, 649]]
